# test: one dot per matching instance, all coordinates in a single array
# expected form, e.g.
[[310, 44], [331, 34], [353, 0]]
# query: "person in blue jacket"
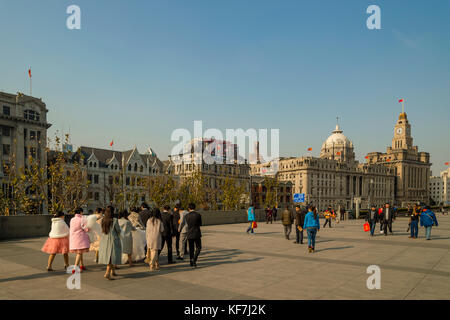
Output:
[[427, 220], [312, 225], [251, 218]]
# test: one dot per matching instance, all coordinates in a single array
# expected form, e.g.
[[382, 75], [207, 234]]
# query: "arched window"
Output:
[[95, 164], [90, 164], [135, 167], [141, 169], [129, 167]]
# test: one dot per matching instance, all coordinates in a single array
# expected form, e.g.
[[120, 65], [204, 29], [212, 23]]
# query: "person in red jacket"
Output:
[[380, 218]]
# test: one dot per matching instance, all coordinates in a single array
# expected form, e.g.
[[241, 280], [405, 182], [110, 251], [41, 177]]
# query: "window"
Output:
[[96, 196], [6, 131], [90, 195], [6, 149], [110, 179], [89, 176], [32, 135], [127, 181], [25, 152], [96, 178], [38, 134], [6, 110], [31, 115]]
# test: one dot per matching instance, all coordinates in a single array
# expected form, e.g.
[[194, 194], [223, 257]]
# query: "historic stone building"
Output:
[[226, 164], [335, 178], [411, 167], [113, 172], [23, 132]]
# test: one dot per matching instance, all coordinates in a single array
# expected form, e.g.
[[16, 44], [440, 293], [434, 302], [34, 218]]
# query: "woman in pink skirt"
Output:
[[79, 239], [58, 240]]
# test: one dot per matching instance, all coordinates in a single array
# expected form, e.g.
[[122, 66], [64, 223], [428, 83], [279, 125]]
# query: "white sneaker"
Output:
[[381, 231]]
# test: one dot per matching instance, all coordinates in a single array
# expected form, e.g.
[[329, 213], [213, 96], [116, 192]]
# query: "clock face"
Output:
[[399, 131]]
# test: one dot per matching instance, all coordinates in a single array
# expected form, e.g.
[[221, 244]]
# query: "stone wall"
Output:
[[29, 226]]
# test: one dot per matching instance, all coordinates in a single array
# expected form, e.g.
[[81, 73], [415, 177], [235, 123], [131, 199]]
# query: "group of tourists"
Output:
[[271, 214], [126, 237], [385, 216], [305, 219]]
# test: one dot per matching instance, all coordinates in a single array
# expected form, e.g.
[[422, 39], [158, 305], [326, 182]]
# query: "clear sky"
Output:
[[137, 70]]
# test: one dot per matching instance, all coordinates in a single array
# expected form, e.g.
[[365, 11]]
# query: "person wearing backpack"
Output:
[[428, 220]]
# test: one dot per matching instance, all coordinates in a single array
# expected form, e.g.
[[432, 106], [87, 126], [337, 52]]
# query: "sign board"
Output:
[[299, 197]]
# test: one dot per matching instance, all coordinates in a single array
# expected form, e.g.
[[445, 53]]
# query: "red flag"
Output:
[[388, 160], [367, 157], [309, 149], [29, 73], [447, 163], [111, 143], [401, 100], [338, 153]]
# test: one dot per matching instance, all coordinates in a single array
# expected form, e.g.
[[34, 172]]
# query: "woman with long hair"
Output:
[[154, 231], [312, 226], [126, 237], [110, 250]]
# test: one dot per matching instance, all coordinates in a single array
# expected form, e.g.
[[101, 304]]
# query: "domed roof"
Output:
[[337, 138]]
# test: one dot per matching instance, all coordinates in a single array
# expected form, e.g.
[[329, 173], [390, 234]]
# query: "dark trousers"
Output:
[[414, 228], [327, 221], [177, 243], [372, 227], [193, 253], [169, 247], [387, 225], [299, 235]]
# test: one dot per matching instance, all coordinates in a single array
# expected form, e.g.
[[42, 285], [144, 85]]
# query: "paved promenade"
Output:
[[236, 265]]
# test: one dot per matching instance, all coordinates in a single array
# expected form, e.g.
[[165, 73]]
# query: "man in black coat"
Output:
[[194, 235], [176, 224], [145, 214], [299, 221], [388, 216], [372, 218], [167, 221]]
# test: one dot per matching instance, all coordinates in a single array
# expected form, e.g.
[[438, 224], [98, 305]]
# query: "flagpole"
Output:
[[403, 106]]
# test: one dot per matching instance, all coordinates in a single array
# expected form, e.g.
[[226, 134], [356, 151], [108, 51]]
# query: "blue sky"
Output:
[[137, 70]]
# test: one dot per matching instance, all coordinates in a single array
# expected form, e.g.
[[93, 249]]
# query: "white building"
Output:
[[439, 188]]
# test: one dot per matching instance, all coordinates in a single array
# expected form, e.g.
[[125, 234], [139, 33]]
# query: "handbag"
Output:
[[366, 227], [254, 225]]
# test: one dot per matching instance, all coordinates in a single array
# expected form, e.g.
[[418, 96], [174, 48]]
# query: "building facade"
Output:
[[224, 163], [335, 178], [411, 167], [111, 173], [439, 188], [23, 133]]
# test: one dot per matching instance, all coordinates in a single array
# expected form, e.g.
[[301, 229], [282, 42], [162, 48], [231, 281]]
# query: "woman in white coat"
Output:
[[154, 238], [58, 241]]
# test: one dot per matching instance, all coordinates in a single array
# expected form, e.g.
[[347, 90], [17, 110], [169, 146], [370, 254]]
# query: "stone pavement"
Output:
[[236, 265]]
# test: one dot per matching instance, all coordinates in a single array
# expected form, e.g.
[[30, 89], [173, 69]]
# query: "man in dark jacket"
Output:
[[299, 221], [176, 224], [145, 213], [167, 221], [372, 218], [194, 235], [287, 219], [388, 216]]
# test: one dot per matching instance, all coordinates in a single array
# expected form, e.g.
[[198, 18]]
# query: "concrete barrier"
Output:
[[29, 226], [26, 226]]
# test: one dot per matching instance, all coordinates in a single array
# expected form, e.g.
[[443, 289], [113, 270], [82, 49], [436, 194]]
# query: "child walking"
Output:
[[58, 240], [79, 239]]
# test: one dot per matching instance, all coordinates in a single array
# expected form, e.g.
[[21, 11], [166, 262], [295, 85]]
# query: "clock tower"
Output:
[[402, 134]]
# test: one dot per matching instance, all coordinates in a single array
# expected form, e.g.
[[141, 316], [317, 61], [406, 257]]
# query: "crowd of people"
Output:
[[126, 237], [307, 219]]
